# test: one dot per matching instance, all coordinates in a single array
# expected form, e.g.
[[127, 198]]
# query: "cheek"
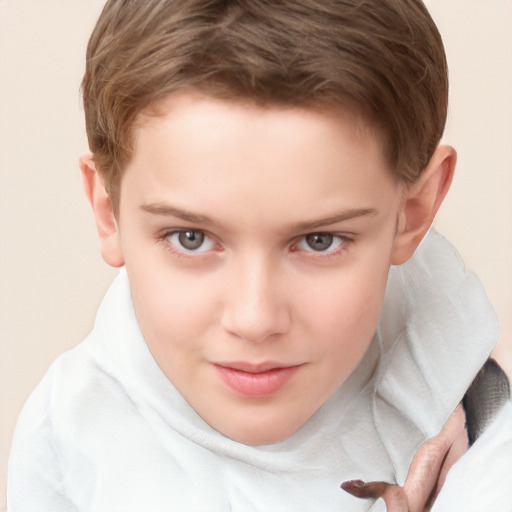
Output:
[[345, 313], [172, 309]]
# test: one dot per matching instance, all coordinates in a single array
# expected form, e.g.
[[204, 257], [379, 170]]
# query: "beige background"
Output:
[[51, 275]]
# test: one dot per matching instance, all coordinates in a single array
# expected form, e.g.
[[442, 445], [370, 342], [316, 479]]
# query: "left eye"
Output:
[[320, 242], [191, 241]]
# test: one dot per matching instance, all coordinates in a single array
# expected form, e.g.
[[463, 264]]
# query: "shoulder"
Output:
[[35, 474], [70, 420], [73, 388]]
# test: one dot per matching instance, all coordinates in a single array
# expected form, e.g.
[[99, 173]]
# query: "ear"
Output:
[[103, 212], [421, 201]]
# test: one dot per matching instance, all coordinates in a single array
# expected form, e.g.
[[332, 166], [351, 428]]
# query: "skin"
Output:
[[257, 183]]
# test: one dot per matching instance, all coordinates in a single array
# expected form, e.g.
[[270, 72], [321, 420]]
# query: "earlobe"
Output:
[[421, 202], [103, 212]]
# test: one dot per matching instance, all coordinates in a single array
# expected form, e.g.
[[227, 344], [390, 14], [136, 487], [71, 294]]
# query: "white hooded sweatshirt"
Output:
[[106, 430]]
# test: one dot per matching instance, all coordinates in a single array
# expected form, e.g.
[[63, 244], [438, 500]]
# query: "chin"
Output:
[[259, 438], [262, 432]]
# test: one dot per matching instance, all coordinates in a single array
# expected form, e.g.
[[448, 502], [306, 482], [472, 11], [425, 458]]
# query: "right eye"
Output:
[[190, 240]]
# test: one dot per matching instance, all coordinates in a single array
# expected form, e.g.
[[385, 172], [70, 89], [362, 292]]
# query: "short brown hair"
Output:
[[385, 58]]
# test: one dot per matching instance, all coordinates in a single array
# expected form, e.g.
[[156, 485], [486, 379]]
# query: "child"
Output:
[[267, 174]]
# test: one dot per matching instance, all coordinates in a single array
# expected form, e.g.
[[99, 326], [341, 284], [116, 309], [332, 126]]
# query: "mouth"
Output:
[[255, 380]]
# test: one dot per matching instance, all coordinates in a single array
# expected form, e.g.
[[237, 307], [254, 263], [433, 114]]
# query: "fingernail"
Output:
[[354, 487], [361, 489]]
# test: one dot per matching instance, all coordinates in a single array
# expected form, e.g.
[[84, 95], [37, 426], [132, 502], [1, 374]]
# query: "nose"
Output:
[[256, 308]]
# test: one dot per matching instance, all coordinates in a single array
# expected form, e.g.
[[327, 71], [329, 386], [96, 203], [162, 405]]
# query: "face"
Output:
[[257, 243]]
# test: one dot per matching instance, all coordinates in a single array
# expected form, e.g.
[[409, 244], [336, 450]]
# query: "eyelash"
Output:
[[165, 238], [344, 242], [183, 252]]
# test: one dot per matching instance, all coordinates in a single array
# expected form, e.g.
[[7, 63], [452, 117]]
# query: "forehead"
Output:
[[196, 149], [203, 119], [202, 102]]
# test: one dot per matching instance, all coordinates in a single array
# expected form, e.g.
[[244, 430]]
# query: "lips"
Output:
[[255, 380]]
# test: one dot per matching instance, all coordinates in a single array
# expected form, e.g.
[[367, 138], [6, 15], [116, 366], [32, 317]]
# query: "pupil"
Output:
[[191, 239], [319, 241]]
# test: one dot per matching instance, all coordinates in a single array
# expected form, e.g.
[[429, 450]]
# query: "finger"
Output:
[[393, 495], [421, 486], [426, 474], [458, 448], [361, 489], [396, 499]]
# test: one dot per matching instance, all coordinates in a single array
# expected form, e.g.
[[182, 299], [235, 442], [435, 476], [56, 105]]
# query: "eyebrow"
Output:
[[167, 210], [171, 211], [333, 219]]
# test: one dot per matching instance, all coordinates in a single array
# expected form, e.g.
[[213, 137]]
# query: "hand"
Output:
[[426, 474]]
